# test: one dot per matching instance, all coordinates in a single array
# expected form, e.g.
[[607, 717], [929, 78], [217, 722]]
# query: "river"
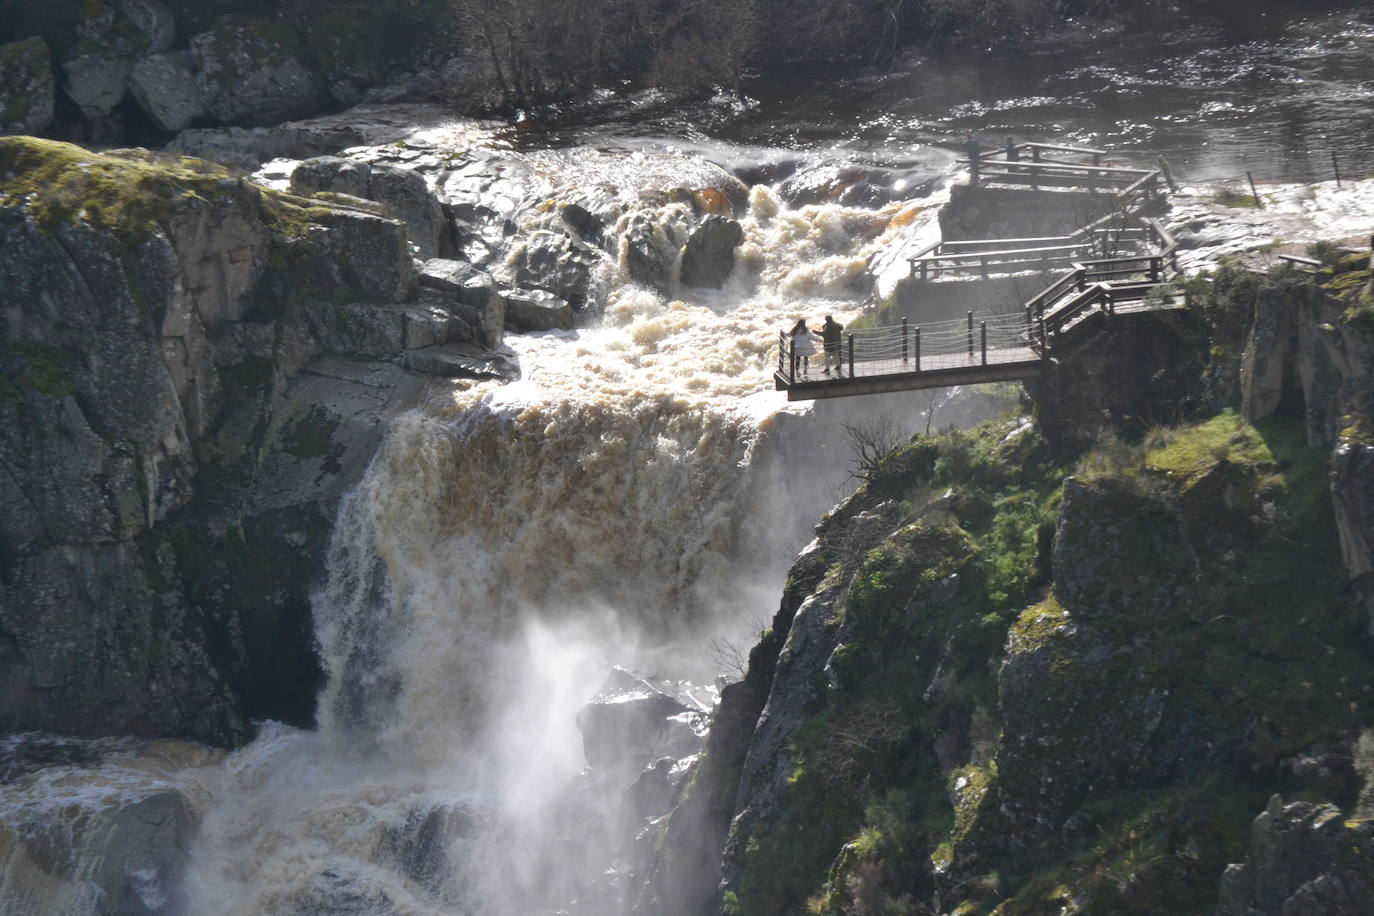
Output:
[[631, 501]]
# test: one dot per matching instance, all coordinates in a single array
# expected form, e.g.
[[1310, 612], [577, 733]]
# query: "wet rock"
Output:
[[1303, 859], [250, 74], [26, 87], [631, 722], [130, 853], [464, 360], [553, 260], [249, 148], [402, 193], [649, 247], [477, 305], [165, 86], [536, 310], [709, 255]]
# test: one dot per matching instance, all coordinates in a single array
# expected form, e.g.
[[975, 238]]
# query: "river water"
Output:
[[1277, 101], [638, 494]]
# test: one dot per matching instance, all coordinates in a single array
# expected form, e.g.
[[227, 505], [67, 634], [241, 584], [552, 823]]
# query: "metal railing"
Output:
[[1030, 164], [986, 341]]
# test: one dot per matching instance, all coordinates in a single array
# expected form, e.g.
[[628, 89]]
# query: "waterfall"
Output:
[[626, 503]]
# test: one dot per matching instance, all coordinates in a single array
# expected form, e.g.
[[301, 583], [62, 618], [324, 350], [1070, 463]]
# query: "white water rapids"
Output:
[[626, 502]]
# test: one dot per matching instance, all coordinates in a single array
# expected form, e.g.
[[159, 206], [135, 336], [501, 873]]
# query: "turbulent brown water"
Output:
[[621, 504]]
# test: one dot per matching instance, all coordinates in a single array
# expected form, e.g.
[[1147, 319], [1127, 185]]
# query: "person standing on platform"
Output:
[[830, 334]]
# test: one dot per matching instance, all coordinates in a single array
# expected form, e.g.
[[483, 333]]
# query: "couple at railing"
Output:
[[803, 347]]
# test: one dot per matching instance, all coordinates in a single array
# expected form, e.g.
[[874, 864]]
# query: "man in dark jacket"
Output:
[[830, 333]]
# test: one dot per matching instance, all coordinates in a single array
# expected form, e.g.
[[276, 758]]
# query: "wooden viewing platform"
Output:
[[1042, 165], [994, 348]]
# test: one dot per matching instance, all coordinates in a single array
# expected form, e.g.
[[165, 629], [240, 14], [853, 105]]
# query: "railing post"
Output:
[[983, 328], [918, 348], [924, 266], [1044, 337], [782, 353], [851, 355], [970, 334], [905, 332]]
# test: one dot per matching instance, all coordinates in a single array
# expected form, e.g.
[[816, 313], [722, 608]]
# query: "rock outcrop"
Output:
[[1303, 859], [166, 87], [193, 370], [1070, 655], [250, 72], [26, 87], [402, 194], [709, 255]]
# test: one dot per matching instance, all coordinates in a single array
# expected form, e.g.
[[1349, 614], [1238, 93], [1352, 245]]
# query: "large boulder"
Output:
[[649, 245], [1303, 860], [709, 255], [166, 87], [250, 72], [26, 87], [631, 722], [536, 310], [476, 304], [555, 260], [117, 842], [112, 37], [402, 193], [154, 22]]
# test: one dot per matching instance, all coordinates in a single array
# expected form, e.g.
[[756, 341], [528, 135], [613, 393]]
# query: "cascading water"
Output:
[[509, 544]]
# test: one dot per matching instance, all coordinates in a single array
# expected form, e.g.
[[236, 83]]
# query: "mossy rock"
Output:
[[129, 194]]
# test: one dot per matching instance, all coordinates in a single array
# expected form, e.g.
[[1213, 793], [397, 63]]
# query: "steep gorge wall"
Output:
[[193, 369], [1031, 675]]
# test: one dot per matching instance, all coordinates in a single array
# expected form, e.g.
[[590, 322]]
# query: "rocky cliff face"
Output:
[[1049, 667], [141, 68], [193, 369]]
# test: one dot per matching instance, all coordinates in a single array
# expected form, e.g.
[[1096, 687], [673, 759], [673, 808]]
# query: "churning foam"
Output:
[[507, 545]]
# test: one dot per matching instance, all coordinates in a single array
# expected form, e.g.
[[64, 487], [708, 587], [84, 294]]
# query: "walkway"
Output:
[[1001, 347]]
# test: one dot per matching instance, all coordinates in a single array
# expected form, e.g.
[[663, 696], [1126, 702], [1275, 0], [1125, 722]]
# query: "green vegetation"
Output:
[[1234, 197], [1349, 278], [1225, 635], [923, 615], [130, 194]]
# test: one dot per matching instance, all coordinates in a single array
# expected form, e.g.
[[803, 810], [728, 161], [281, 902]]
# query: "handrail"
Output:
[[1021, 165]]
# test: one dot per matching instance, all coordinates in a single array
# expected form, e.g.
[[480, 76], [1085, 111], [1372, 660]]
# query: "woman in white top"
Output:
[[803, 347]]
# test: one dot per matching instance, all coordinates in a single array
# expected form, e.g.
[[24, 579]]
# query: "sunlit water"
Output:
[[1276, 101], [627, 502]]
